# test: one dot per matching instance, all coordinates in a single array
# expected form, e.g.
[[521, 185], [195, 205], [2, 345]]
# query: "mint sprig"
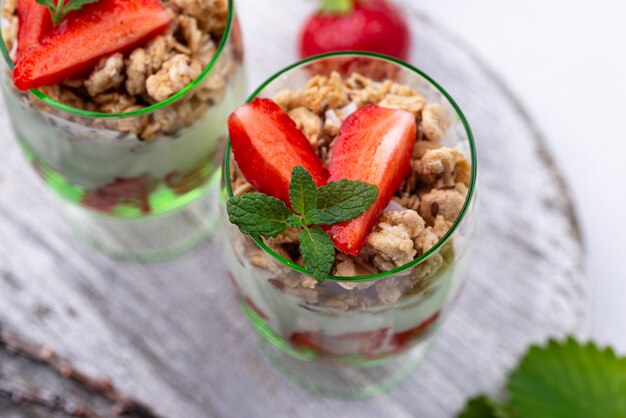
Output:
[[562, 380], [60, 9], [259, 214]]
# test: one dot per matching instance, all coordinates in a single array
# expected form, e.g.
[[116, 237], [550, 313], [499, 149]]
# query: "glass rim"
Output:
[[143, 111], [470, 191]]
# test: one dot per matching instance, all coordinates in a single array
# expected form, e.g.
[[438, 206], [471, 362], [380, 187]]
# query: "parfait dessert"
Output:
[[349, 200], [120, 104]]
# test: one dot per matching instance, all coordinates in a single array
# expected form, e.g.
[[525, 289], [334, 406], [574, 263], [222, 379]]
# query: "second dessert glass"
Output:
[[351, 337], [135, 182]]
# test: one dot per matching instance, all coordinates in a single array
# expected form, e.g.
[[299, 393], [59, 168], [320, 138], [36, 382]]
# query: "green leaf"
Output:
[[258, 214], [337, 6], [77, 4], [294, 221], [318, 251], [342, 201], [302, 191], [48, 3], [484, 407], [569, 380]]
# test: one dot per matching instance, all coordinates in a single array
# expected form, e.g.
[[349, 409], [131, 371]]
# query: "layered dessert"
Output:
[[120, 104], [389, 272]]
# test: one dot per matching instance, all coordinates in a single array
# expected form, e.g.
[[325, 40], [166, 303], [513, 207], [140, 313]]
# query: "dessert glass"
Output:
[[132, 196], [351, 337]]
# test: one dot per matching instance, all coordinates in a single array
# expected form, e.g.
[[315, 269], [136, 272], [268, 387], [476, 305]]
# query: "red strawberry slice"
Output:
[[97, 30], [375, 146], [34, 22], [268, 145]]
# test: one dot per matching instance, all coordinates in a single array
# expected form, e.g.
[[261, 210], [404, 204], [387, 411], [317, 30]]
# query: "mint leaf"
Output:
[[294, 221], [77, 5], [48, 3], [302, 191], [483, 407], [342, 201], [258, 214], [569, 380], [318, 251]]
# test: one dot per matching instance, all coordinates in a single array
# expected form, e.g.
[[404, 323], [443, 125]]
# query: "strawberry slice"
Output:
[[34, 22], [375, 146], [99, 29], [268, 145]]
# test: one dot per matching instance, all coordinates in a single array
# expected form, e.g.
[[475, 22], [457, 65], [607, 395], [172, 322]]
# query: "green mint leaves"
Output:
[[318, 251], [259, 214], [60, 9], [562, 380], [341, 201], [302, 191]]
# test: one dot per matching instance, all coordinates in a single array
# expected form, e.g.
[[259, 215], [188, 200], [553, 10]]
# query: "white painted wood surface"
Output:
[[172, 335]]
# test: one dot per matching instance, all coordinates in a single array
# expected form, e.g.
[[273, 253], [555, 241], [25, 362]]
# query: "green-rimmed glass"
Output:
[[130, 176], [351, 337]]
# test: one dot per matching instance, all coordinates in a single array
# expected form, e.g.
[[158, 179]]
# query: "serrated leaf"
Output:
[[483, 407], [342, 201], [302, 191], [258, 214], [569, 380], [318, 251]]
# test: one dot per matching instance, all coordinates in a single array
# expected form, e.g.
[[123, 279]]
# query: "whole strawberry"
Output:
[[358, 25]]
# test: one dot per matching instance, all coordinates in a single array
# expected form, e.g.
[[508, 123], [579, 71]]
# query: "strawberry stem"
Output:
[[337, 6]]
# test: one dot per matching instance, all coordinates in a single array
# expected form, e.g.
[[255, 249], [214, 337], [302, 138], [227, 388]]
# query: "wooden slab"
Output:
[[171, 334]]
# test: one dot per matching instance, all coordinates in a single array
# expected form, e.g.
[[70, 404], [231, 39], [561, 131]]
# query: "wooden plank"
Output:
[[171, 334]]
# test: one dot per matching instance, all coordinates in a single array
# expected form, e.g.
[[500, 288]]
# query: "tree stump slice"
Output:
[[172, 335]]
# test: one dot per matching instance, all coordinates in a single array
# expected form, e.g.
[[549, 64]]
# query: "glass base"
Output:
[[346, 382], [151, 238], [352, 379]]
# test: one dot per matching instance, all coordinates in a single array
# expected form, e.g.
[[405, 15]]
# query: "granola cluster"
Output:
[[152, 73], [420, 214]]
